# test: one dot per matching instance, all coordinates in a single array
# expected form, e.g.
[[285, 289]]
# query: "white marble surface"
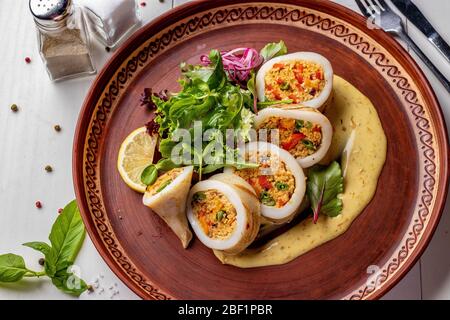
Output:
[[28, 143]]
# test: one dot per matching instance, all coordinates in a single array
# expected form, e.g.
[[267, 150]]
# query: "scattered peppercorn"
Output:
[[90, 288], [14, 108], [41, 261], [57, 128], [38, 204], [161, 1], [48, 169], [107, 49], [28, 60], [143, 4], [60, 210]]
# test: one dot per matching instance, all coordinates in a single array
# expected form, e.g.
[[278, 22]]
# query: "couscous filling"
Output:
[[297, 80], [216, 214], [272, 181], [164, 181], [301, 138]]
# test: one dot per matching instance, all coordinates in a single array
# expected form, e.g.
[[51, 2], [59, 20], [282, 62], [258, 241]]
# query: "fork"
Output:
[[390, 22]]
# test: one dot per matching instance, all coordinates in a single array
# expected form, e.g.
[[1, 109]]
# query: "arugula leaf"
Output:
[[218, 77], [149, 175], [67, 236], [251, 86], [12, 268], [274, 49], [323, 188]]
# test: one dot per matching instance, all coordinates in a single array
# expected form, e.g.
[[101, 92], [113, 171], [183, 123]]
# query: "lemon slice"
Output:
[[135, 154]]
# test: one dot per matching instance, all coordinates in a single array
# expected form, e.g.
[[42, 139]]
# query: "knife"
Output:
[[410, 11]]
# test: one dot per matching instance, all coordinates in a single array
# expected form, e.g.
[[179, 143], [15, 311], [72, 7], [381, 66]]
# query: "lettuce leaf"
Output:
[[274, 49]]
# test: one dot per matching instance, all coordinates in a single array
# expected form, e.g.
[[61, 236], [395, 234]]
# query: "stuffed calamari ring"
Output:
[[167, 198], [303, 132], [246, 192], [279, 182], [303, 77], [221, 217]]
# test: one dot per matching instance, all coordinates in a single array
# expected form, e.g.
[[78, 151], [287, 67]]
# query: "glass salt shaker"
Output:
[[62, 39], [111, 20]]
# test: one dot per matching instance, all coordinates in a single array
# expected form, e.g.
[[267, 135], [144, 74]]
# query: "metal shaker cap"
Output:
[[49, 12]]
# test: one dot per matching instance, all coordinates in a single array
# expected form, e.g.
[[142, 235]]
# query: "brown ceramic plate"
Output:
[[391, 233]]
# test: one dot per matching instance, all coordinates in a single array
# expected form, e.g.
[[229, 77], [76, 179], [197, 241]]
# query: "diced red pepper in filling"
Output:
[[319, 75], [280, 81], [264, 182], [277, 95], [299, 78], [278, 65], [316, 129], [293, 141]]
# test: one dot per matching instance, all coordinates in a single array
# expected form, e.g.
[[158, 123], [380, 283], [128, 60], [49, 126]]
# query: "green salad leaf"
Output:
[[324, 186], [208, 98], [274, 49], [251, 86]]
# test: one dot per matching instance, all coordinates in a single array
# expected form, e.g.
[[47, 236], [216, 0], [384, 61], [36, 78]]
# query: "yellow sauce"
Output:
[[360, 140]]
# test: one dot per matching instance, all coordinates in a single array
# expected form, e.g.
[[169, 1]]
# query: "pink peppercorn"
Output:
[[38, 204], [60, 210], [143, 4], [28, 60]]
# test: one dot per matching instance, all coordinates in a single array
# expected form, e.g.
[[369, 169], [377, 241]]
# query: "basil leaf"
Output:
[[12, 268], [323, 187], [69, 283], [67, 236], [39, 246], [272, 50], [149, 175]]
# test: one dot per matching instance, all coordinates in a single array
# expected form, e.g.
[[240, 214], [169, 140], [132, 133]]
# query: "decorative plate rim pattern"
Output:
[[290, 12]]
